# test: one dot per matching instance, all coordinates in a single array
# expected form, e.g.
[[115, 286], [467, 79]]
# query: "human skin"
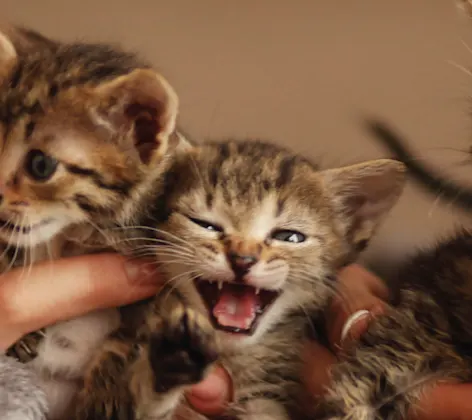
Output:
[[53, 292]]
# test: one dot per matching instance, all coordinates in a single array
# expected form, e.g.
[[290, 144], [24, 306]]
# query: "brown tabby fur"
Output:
[[248, 190]]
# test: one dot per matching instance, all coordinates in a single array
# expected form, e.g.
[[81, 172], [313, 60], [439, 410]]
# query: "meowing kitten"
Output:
[[250, 240], [426, 334], [86, 132]]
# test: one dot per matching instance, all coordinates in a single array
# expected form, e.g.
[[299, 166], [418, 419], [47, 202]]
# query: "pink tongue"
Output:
[[236, 310]]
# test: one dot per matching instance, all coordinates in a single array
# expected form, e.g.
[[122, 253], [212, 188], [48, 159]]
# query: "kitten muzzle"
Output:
[[235, 308], [11, 226]]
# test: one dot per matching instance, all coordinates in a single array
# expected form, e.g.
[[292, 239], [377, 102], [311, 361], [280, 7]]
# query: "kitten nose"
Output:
[[241, 263]]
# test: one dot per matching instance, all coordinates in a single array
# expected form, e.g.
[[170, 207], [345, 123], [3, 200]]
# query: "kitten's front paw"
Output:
[[182, 349]]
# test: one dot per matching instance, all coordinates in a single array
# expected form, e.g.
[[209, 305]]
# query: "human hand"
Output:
[[50, 293], [361, 290]]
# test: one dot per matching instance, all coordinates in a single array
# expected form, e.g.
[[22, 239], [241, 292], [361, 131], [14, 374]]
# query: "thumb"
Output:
[[211, 396], [63, 289], [445, 401]]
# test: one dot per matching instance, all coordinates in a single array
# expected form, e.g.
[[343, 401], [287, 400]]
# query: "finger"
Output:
[[336, 323], [211, 396], [60, 290], [445, 401], [356, 277], [318, 362]]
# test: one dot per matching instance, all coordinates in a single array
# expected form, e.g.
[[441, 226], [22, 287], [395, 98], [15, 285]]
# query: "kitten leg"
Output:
[[127, 381], [383, 376], [105, 394], [180, 351]]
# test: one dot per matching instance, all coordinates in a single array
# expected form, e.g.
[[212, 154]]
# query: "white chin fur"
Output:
[[35, 236]]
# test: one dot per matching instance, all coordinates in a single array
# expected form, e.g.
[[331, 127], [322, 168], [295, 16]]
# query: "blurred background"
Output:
[[303, 73]]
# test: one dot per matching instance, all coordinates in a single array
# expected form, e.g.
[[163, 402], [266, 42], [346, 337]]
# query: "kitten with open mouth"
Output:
[[250, 238]]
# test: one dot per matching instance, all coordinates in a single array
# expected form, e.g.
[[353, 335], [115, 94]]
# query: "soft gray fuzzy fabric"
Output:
[[21, 398]]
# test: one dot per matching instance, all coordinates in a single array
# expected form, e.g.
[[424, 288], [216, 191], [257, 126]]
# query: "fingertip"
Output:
[[318, 361], [444, 401], [213, 394], [62, 289]]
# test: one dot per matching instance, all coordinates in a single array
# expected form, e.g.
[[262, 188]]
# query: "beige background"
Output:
[[302, 73]]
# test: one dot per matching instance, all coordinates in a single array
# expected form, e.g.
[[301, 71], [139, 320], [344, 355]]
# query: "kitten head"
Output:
[[83, 129], [254, 232]]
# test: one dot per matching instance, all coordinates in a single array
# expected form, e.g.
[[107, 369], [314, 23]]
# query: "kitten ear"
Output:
[[145, 106], [363, 195], [8, 56]]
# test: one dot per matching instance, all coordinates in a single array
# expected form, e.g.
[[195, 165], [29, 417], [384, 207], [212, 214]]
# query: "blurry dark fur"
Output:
[[426, 176], [86, 133], [292, 225], [425, 337]]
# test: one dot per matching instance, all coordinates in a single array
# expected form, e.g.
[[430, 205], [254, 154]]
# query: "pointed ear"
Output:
[[8, 56], [363, 195], [143, 106]]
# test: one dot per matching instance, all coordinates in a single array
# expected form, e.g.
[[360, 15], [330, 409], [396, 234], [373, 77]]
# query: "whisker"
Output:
[[460, 67]]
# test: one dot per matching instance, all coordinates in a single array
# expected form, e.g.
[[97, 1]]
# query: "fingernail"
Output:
[[141, 272], [351, 321]]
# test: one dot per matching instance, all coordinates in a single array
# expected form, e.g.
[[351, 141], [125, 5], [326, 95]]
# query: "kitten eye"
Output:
[[40, 166], [288, 236], [206, 225]]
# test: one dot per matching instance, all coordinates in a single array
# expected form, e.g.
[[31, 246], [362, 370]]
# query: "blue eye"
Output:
[[285, 235], [206, 225]]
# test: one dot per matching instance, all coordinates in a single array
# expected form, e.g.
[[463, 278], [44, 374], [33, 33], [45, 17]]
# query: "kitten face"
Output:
[[254, 232], [82, 130]]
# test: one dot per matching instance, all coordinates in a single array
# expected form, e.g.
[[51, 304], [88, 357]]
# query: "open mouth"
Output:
[[22, 229], [236, 308]]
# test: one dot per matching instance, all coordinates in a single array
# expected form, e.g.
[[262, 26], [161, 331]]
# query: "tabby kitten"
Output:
[[86, 132], [426, 334], [250, 240]]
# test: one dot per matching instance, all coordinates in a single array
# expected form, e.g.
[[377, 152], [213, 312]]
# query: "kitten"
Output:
[[250, 240], [426, 334], [86, 131]]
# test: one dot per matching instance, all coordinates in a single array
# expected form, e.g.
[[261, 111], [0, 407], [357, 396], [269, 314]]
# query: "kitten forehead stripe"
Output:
[[286, 169], [121, 187]]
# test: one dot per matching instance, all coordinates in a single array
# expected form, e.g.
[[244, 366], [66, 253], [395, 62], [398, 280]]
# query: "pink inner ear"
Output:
[[354, 203], [146, 128]]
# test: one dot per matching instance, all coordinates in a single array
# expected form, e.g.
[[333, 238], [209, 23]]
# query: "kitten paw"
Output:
[[105, 394], [182, 349]]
